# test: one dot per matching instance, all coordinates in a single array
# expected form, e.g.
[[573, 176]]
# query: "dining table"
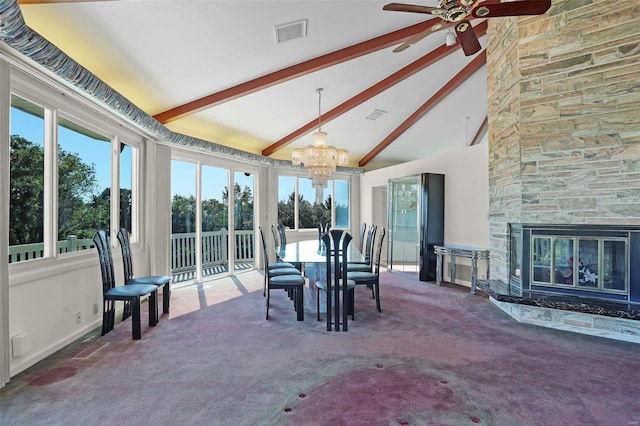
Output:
[[311, 254]]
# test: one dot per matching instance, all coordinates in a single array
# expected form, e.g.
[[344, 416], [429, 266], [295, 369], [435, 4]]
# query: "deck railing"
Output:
[[33, 251], [214, 249], [183, 249]]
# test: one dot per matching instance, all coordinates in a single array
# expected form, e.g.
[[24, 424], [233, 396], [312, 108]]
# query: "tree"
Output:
[[183, 214], [26, 199], [76, 183], [75, 180]]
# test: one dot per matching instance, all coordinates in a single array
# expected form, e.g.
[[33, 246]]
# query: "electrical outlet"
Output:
[[95, 308], [78, 318]]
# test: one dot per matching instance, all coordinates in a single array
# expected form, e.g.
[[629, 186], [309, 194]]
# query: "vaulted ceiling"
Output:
[[213, 70]]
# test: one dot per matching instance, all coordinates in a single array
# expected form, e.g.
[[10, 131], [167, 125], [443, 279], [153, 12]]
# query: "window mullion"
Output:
[[115, 187], [50, 183]]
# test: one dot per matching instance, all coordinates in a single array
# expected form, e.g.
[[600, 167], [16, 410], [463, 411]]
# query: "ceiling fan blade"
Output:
[[492, 9], [416, 38], [402, 7], [468, 39]]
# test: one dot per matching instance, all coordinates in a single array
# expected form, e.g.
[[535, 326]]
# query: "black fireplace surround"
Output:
[[586, 268]]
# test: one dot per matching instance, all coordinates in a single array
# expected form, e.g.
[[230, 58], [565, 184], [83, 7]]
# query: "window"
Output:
[[63, 163], [300, 206], [26, 202], [126, 187], [84, 185]]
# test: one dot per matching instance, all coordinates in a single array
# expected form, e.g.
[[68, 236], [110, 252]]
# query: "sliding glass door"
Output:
[[212, 228], [404, 224], [215, 221]]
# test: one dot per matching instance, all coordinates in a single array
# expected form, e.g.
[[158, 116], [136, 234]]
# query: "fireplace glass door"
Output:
[[588, 263]]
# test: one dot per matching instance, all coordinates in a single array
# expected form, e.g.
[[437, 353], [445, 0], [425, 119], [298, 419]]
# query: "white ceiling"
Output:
[[162, 53]]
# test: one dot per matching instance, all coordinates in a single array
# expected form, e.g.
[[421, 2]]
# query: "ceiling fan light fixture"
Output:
[[482, 11], [450, 38]]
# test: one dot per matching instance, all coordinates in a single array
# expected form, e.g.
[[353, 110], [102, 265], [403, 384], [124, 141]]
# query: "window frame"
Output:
[[297, 177], [82, 113]]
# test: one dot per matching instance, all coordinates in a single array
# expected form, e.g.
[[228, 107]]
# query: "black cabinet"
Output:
[[432, 222]]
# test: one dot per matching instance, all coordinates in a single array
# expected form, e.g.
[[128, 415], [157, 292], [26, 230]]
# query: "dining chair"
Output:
[[163, 281], [289, 279], [127, 293], [323, 228], [371, 279], [279, 263], [278, 267], [336, 283], [363, 231], [283, 242], [367, 265]]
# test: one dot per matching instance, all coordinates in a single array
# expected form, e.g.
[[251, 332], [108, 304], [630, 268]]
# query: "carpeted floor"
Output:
[[434, 356]]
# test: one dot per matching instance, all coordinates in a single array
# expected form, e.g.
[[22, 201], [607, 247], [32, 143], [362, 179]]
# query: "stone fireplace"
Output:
[[564, 151]]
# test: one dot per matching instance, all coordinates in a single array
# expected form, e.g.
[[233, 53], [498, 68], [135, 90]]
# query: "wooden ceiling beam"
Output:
[[395, 78], [481, 131], [451, 85], [294, 71]]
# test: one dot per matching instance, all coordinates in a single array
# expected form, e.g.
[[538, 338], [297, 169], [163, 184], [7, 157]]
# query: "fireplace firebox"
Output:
[[595, 261]]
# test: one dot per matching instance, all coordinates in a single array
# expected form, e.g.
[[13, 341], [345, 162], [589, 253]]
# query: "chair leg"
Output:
[[318, 302], [352, 303], [166, 296], [107, 313], [136, 330], [153, 309], [378, 296], [300, 303], [268, 294], [346, 303], [126, 312], [264, 284]]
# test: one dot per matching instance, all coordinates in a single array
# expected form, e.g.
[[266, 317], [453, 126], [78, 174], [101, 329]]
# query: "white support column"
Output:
[[5, 93], [156, 219]]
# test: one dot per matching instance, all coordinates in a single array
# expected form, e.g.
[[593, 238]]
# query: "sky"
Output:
[[90, 150], [183, 179]]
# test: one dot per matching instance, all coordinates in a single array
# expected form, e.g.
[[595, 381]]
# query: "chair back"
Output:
[[123, 238], [323, 229], [276, 239], [371, 238], [264, 250], [379, 250], [282, 234], [363, 232], [102, 241], [337, 242]]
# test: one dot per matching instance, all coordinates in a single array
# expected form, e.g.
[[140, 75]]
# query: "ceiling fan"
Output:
[[456, 13]]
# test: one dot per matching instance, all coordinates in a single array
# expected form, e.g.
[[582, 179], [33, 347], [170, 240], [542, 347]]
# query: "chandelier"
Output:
[[319, 159]]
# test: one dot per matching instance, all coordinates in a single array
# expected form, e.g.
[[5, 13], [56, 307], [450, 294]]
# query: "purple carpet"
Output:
[[434, 356]]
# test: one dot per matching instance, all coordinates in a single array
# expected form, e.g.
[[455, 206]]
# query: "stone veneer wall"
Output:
[[564, 118]]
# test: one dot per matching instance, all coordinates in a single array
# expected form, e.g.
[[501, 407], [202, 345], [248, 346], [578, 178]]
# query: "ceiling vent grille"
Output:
[[375, 114], [291, 31]]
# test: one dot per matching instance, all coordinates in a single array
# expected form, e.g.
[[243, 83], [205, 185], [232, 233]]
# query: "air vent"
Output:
[[375, 114], [291, 31]]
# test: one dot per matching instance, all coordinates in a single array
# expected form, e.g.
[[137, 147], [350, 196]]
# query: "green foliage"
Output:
[[309, 215], [81, 209], [214, 212], [26, 197], [79, 212]]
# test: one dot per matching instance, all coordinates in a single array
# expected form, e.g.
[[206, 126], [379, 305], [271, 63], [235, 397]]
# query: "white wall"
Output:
[[466, 192]]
